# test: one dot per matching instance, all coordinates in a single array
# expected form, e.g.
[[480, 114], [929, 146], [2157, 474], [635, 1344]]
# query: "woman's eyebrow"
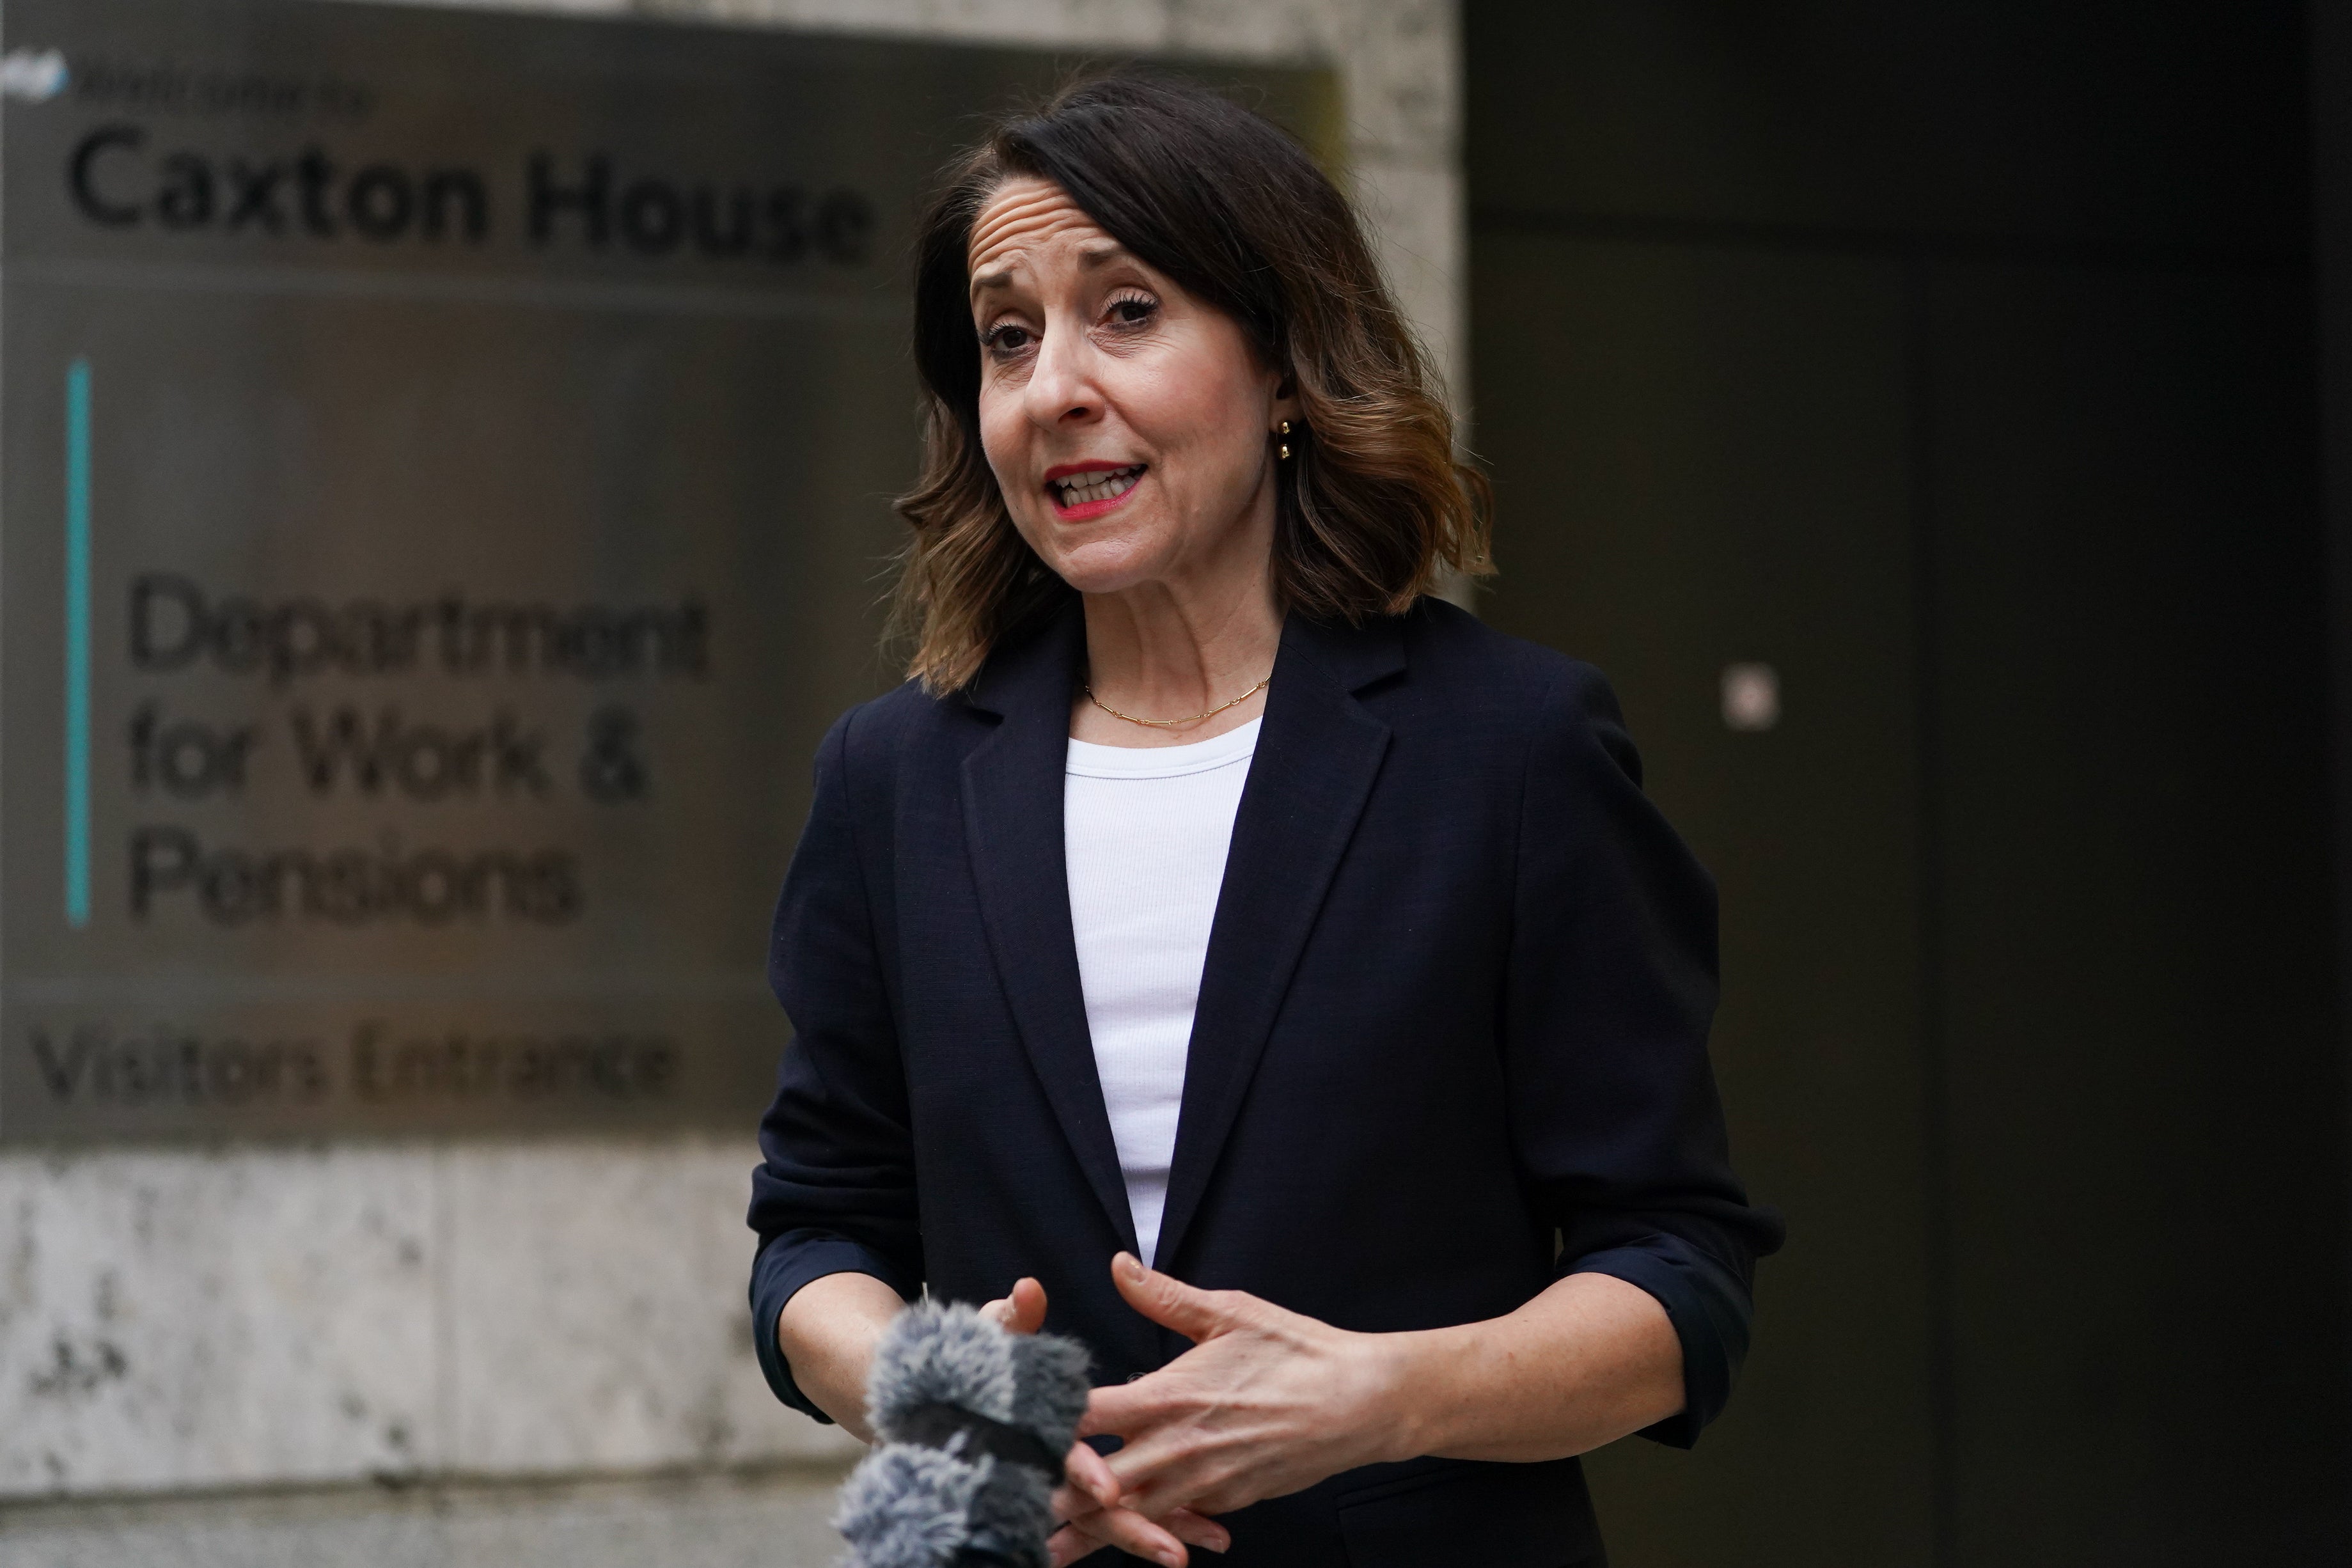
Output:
[[1089, 256]]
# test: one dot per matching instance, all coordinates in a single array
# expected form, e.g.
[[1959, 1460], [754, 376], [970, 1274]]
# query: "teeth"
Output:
[[1102, 485]]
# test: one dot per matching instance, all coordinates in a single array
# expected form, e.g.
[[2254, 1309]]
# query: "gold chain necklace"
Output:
[[1174, 723]]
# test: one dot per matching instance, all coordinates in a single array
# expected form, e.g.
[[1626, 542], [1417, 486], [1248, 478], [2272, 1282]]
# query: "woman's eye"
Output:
[[1132, 312], [1005, 338]]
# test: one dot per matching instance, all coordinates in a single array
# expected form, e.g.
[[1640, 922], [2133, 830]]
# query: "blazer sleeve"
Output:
[[1611, 990], [834, 1191]]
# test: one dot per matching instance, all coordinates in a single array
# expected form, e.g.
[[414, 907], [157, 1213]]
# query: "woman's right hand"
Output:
[[1089, 1502]]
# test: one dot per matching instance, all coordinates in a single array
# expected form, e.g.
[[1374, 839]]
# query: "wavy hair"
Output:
[[1373, 509]]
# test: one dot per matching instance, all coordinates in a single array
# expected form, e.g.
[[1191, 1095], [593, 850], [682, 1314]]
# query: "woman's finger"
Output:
[[1071, 1542], [1172, 1477], [1067, 1545], [1092, 1489], [1020, 1311], [1028, 1306], [1167, 1300], [1123, 1527], [1122, 1408], [1198, 1530], [1089, 1504], [1090, 1484], [1092, 1495]]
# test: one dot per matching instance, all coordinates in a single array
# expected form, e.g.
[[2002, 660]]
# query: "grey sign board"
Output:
[[445, 464]]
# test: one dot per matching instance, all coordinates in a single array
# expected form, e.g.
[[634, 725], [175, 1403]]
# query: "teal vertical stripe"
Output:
[[78, 644]]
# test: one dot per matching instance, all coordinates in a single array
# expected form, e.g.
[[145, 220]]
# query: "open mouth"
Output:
[[1094, 485]]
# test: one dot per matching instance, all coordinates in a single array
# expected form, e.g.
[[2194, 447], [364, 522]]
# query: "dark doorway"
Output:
[[1955, 361]]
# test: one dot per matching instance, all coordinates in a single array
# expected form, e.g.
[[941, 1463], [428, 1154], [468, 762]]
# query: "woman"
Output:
[[1214, 897]]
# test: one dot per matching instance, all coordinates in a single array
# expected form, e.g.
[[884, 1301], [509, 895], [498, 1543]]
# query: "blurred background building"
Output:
[[1958, 361], [1920, 412]]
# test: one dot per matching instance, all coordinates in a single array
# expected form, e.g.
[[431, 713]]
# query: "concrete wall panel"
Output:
[[170, 1319], [595, 1311]]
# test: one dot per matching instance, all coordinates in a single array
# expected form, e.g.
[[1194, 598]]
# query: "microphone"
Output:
[[971, 1425]]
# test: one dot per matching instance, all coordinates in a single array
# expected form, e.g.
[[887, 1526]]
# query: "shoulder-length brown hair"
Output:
[[1372, 509]]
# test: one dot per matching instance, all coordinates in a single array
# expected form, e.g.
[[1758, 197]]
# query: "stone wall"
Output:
[[178, 1320]]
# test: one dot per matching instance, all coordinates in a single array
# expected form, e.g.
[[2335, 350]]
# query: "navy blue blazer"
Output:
[[1451, 1044]]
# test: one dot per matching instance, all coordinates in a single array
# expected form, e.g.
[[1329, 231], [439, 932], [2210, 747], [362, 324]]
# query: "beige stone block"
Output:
[[1415, 217], [1401, 67], [1075, 24], [583, 7], [1115, 25], [779, 1521], [824, 15], [183, 1317], [772, 1520], [596, 1310], [1294, 30], [1398, 61]]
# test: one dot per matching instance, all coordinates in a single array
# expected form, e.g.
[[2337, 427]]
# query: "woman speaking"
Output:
[[1220, 950]]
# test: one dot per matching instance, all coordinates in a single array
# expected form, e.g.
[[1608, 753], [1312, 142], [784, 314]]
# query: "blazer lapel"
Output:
[[1318, 754], [1013, 826]]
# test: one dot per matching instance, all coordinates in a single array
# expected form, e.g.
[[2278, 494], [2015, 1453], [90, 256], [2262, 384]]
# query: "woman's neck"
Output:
[[1168, 651]]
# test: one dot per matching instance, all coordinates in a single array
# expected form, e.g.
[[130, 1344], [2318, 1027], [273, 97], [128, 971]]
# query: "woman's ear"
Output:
[[1285, 398]]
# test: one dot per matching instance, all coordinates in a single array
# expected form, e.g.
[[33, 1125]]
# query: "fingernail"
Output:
[[1130, 1269], [1173, 1558]]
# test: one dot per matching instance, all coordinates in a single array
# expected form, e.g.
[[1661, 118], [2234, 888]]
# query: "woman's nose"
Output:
[[1062, 388]]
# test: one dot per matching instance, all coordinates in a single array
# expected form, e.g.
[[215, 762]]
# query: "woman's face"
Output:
[[1127, 422]]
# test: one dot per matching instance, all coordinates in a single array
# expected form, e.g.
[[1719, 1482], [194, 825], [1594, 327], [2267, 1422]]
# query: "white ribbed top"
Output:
[[1145, 831]]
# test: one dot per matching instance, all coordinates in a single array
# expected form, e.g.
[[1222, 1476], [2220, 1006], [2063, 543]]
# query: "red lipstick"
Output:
[[1088, 489]]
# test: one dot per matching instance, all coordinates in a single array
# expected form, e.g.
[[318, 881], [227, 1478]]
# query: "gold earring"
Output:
[[1285, 448]]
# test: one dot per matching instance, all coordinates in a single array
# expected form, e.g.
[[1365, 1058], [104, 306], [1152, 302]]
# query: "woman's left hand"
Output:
[[1265, 1403]]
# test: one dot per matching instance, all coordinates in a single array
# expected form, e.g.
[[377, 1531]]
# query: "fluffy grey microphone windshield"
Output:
[[970, 1423]]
